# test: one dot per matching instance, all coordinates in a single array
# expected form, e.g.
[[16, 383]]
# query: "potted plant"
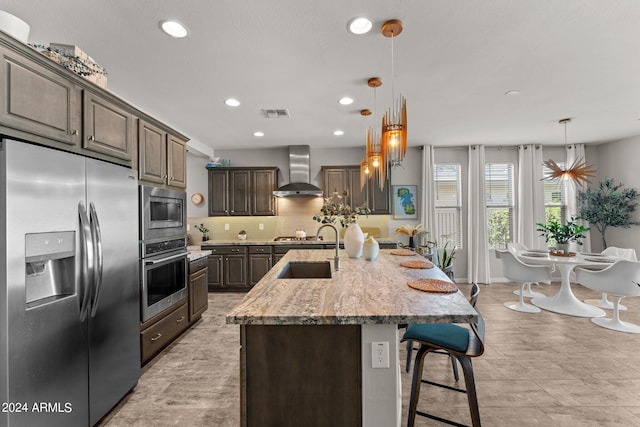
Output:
[[204, 230], [242, 235], [563, 234], [608, 205]]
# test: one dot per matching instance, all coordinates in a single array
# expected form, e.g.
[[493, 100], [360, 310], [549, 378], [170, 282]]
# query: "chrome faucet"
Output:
[[336, 259]]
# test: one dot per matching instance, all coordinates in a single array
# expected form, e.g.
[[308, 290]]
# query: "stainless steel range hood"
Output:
[[299, 182]]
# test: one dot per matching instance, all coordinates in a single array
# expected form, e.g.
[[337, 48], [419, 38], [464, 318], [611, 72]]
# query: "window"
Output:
[[448, 207], [499, 200], [555, 205]]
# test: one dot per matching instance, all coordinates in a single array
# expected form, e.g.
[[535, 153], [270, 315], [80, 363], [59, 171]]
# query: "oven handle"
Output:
[[169, 258]]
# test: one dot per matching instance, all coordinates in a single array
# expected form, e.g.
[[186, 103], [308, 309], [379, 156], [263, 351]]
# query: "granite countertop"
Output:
[[195, 253], [227, 242], [362, 292]]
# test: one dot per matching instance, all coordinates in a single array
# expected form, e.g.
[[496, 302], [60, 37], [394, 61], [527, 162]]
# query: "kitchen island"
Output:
[[307, 343]]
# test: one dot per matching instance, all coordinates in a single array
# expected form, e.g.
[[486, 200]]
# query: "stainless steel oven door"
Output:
[[164, 282], [163, 213]]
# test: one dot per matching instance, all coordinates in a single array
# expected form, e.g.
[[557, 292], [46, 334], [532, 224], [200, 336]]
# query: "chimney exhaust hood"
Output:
[[299, 182]]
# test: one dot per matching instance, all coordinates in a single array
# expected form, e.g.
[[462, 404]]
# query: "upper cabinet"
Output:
[[38, 101], [347, 178], [242, 191], [108, 128], [46, 104], [161, 156]]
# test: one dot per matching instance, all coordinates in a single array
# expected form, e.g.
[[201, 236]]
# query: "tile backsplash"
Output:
[[292, 213]]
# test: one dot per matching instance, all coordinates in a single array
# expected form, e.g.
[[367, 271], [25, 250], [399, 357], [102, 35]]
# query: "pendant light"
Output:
[[376, 158], [578, 173], [394, 121]]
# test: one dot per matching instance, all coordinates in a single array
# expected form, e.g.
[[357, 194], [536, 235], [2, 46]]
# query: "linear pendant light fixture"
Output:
[[394, 121], [376, 156], [578, 173]]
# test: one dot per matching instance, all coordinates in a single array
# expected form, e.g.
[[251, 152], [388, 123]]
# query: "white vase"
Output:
[[353, 240], [370, 249]]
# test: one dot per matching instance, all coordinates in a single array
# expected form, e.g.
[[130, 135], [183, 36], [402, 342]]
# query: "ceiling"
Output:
[[454, 62]]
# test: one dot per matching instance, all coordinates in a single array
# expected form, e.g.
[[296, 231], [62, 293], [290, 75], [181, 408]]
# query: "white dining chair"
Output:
[[624, 253], [517, 248], [620, 280], [517, 271]]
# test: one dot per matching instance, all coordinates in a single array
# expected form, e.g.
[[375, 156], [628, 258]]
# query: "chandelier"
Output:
[[578, 172], [394, 121]]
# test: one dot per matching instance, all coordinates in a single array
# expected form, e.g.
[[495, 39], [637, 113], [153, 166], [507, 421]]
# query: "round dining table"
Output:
[[564, 301]]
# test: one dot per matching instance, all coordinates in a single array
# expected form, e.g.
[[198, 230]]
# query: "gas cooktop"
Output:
[[295, 239]]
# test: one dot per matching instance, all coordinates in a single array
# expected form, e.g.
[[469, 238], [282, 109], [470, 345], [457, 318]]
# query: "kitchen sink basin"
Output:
[[306, 270]]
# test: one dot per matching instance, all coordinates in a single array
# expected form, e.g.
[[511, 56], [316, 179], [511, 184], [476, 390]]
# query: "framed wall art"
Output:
[[405, 201]]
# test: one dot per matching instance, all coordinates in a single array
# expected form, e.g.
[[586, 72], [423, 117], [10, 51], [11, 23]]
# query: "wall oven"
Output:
[[163, 267], [163, 213]]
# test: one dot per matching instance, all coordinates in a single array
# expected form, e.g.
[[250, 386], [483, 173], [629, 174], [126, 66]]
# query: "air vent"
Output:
[[276, 113]]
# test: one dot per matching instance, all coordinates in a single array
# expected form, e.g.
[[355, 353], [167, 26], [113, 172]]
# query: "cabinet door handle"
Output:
[[156, 338], [170, 178], [180, 319], [74, 132], [91, 138]]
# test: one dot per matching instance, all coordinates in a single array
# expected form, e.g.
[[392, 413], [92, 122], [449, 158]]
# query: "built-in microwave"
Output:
[[163, 213]]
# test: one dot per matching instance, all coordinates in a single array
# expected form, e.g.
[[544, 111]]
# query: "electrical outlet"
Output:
[[226, 227], [380, 354], [260, 226]]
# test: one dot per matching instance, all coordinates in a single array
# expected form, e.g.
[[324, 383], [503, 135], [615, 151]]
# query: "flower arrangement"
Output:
[[335, 210], [412, 230]]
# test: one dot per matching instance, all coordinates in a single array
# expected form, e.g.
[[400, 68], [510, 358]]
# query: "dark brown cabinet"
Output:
[[242, 191], [341, 178], [198, 289], [259, 263], [107, 128], [39, 101], [227, 268], [161, 156], [161, 330]]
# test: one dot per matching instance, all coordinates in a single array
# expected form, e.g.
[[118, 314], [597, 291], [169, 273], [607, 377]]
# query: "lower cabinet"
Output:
[[198, 292], [227, 268], [161, 330], [259, 263]]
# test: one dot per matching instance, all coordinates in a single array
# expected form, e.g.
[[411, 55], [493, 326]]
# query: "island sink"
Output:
[[306, 270]]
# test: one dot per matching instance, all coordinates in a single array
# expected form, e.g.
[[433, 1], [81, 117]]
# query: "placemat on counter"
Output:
[[417, 263], [402, 252], [433, 285]]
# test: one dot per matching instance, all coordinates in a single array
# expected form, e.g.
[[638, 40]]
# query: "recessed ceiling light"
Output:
[[258, 133], [360, 25], [338, 132], [174, 29], [345, 100], [512, 92], [232, 102]]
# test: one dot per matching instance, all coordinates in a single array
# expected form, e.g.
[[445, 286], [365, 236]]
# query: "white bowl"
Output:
[[14, 26]]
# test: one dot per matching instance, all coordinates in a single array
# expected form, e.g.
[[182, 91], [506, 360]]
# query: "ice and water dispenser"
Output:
[[49, 266]]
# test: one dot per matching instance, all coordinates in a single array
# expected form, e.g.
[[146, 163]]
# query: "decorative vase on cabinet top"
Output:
[[353, 240]]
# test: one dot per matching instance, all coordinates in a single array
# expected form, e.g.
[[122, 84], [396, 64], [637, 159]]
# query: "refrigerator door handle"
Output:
[[96, 235], [86, 260]]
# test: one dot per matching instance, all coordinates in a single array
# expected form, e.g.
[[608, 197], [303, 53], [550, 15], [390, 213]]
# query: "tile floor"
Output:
[[540, 369]]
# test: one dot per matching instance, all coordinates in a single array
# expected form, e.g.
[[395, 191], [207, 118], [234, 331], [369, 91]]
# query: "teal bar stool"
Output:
[[460, 343]]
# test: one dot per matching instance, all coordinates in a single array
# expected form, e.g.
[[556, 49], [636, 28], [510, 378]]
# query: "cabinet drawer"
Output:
[[157, 336], [260, 249], [226, 250]]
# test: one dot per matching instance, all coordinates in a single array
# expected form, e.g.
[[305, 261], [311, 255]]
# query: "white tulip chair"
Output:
[[620, 280], [516, 248], [624, 253], [517, 271]]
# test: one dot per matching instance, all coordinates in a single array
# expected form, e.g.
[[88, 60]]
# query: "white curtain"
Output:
[[427, 201], [530, 196], [478, 255], [573, 152]]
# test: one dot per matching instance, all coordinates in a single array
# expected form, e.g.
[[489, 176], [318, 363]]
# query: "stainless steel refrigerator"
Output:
[[69, 297]]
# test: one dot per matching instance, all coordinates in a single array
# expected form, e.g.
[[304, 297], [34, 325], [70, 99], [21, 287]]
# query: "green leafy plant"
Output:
[[563, 233], [446, 259], [608, 205], [242, 232], [202, 228], [335, 210]]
